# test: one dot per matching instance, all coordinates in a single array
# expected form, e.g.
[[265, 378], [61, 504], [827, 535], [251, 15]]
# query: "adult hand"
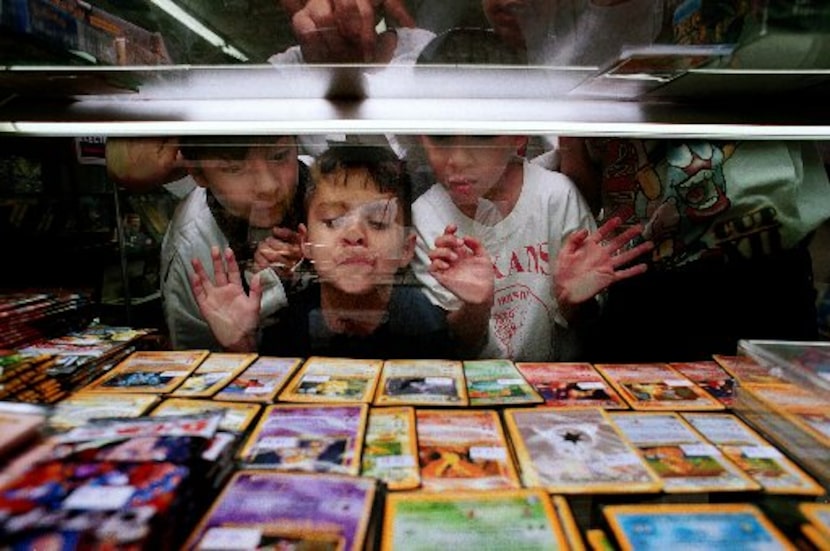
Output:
[[340, 31], [280, 251], [232, 315], [589, 263], [462, 265], [141, 164]]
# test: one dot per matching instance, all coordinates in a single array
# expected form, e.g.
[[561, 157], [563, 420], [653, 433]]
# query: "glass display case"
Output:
[[706, 122]]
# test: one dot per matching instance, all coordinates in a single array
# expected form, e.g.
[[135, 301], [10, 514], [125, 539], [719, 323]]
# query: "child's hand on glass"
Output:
[[280, 251], [589, 263], [232, 315], [462, 265]]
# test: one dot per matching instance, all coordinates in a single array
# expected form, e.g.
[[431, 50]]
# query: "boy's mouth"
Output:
[[460, 185]]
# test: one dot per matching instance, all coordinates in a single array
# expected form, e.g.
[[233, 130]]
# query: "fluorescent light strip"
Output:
[[176, 12]]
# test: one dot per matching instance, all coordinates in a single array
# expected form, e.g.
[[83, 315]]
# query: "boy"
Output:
[[536, 226], [244, 188], [357, 238]]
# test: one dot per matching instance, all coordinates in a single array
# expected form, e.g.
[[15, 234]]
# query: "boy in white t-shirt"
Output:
[[547, 257]]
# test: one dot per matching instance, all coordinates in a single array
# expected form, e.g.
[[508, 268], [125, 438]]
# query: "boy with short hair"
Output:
[[358, 240], [248, 195], [548, 259]]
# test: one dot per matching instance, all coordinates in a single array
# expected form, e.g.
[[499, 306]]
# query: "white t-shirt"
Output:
[[524, 246]]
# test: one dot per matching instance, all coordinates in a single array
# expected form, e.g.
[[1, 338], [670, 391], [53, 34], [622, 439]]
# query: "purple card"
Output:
[[254, 503]]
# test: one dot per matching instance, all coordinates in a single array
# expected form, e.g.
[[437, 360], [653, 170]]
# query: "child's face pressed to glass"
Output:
[[260, 187], [470, 167], [355, 234]]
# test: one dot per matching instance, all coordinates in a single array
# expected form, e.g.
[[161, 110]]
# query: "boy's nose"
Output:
[[354, 231], [267, 183], [459, 156]]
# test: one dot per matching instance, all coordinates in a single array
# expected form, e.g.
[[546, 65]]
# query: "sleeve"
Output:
[[181, 313]]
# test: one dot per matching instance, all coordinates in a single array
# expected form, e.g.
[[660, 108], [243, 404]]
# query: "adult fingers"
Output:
[[355, 19], [396, 11]]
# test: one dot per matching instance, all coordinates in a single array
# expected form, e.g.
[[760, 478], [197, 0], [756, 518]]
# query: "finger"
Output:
[[626, 237], [220, 275], [309, 33], [574, 240], [630, 255], [200, 272], [197, 287], [475, 246], [449, 242], [286, 235], [607, 228], [438, 266], [356, 22], [255, 292], [635, 270], [233, 268], [396, 10], [444, 254]]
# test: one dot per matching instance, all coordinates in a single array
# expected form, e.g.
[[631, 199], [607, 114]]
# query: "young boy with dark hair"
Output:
[[247, 197], [358, 240]]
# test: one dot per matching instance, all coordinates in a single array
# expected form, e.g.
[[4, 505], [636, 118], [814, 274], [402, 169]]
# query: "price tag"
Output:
[[278, 442], [679, 382], [171, 373], [316, 378], [99, 498], [510, 382], [230, 539], [487, 453], [395, 461], [699, 450], [257, 390], [438, 381], [590, 385], [760, 452], [621, 460]]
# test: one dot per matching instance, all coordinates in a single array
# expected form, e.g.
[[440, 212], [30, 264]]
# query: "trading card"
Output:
[[422, 383], [334, 380], [497, 382], [390, 452], [261, 381], [571, 384], [216, 371]]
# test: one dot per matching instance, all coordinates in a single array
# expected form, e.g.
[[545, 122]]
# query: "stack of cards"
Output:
[[334, 380], [656, 386], [571, 385], [422, 383], [390, 451], [275, 510], [756, 457], [693, 526], [684, 460], [497, 382], [308, 437], [463, 450], [496, 519], [576, 451], [151, 372], [213, 374], [260, 382]]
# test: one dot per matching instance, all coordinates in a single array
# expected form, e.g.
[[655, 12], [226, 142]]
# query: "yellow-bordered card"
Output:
[[308, 437], [390, 452], [342, 380], [576, 451], [711, 377], [598, 540], [815, 421], [237, 416], [158, 372], [422, 383], [563, 384], [819, 516], [81, 407], [261, 381], [747, 370], [485, 519], [497, 383], [257, 508], [656, 386], [568, 522], [723, 526], [752, 454], [681, 456], [464, 450], [218, 369]]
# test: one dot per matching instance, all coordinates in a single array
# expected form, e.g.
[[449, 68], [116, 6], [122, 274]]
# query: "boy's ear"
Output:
[[408, 248], [305, 246], [198, 176]]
